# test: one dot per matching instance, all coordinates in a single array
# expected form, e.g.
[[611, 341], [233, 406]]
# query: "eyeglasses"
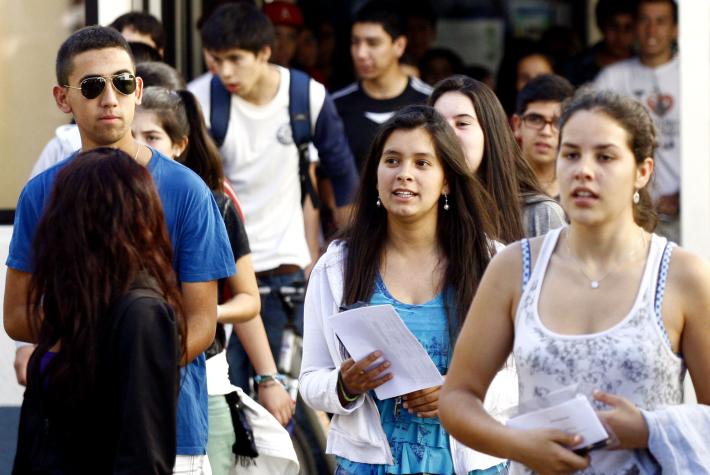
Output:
[[538, 122], [92, 87]]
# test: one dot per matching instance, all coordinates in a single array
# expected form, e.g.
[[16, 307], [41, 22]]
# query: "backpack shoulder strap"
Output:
[[299, 111], [220, 105], [299, 107]]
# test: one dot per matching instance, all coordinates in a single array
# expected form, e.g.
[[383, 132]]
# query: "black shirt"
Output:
[[239, 242], [235, 227], [362, 114], [128, 424], [584, 67]]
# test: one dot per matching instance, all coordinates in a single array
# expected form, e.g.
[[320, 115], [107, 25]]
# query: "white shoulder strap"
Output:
[[548, 247]]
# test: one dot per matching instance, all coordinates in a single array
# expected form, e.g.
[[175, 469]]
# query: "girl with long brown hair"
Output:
[[478, 119], [419, 241], [103, 382]]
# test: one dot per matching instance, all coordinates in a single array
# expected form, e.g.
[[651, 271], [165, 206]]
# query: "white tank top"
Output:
[[633, 358]]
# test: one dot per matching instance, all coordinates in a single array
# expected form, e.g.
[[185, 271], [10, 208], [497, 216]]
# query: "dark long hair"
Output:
[[504, 172], [462, 232], [635, 119], [102, 231], [180, 116]]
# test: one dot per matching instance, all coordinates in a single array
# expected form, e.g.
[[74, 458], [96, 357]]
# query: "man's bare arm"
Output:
[[15, 318], [311, 223], [343, 216], [199, 301]]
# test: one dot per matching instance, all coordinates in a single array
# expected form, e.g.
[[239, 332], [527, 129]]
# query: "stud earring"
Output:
[[378, 202], [446, 202], [636, 198]]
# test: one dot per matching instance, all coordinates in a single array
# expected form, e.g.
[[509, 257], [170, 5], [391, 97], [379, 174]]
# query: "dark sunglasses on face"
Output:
[[538, 122], [92, 87]]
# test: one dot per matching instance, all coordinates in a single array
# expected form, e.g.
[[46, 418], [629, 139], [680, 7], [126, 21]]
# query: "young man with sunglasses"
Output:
[[140, 29], [538, 109], [96, 83]]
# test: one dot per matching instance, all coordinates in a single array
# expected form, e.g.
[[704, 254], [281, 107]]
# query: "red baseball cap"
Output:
[[284, 13]]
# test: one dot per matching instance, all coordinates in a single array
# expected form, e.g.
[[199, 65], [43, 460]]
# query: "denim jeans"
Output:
[[275, 317]]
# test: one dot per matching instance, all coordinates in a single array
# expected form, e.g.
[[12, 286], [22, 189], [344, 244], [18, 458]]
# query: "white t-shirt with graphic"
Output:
[[659, 90], [261, 163]]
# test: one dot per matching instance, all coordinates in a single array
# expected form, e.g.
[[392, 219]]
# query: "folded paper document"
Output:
[[574, 416], [379, 327]]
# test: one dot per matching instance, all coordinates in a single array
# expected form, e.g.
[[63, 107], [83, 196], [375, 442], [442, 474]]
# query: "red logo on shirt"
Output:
[[660, 104]]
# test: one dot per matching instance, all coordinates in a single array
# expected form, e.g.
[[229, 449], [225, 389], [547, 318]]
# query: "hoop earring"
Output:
[[636, 198], [378, 202], [446, 202]]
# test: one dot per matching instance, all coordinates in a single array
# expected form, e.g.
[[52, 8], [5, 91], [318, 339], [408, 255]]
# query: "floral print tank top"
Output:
[[632, 359]]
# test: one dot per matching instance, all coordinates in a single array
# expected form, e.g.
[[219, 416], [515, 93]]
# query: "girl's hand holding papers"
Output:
[[625, 421], [545, 451], [359, 377]]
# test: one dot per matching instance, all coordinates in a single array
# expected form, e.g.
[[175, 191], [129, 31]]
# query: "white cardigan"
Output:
[[355, 431]]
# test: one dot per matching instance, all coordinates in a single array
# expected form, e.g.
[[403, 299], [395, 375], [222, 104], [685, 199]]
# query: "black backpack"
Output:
[[299, 113]]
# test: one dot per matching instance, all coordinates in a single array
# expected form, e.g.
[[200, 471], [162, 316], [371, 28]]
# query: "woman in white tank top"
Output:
[[602, 302]]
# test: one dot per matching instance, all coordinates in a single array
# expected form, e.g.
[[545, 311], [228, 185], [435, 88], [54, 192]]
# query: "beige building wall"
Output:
[[30, 34]]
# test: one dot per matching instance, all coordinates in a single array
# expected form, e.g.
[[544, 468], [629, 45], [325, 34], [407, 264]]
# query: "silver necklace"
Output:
[[594, 283]]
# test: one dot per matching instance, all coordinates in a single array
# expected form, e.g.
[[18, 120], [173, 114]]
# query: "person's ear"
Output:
[[400, 45], [264, 54], [139, 90], [60, 97], [516, 122], [180, 146], [209, 61], [644, 171]]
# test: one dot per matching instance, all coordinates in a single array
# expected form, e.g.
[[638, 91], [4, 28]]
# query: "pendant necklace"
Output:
[[594, 283]]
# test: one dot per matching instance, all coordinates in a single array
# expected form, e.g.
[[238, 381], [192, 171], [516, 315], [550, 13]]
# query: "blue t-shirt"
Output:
[[201, 252]]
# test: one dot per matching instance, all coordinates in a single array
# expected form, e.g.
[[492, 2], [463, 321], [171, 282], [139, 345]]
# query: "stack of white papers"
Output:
[[574, 416], [379, 327]]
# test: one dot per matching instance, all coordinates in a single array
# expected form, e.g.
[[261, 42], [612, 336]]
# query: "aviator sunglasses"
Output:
[[92, 87]]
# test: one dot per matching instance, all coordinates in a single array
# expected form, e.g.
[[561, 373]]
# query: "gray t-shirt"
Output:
[[540, 214]]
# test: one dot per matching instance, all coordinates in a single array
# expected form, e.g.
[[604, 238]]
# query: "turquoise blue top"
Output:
[[419, 445]]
